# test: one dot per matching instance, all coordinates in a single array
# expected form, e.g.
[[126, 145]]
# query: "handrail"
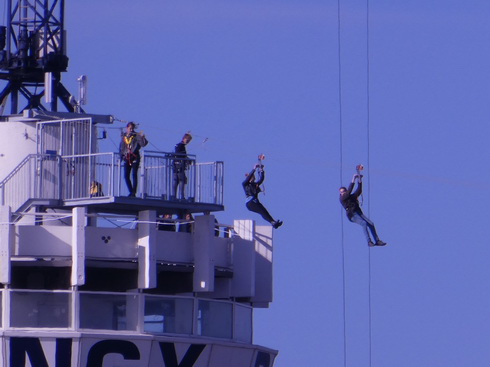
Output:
[[96, 175], [24, 182], [16, 169]]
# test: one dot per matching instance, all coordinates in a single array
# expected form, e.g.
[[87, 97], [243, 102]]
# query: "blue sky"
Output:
[[263, 77]]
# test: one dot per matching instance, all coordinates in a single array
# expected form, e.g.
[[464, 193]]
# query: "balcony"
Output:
[[96, 180]]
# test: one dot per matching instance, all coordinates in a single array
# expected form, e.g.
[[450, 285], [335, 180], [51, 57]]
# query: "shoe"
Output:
[[380, 243], [371, 244], [277, 224]]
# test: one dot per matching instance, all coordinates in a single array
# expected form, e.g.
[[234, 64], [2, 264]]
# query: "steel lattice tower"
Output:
[[32, 55]]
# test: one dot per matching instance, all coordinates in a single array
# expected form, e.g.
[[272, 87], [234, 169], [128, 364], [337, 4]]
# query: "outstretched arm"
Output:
[[358, 191], [351, 185], [261, 176]]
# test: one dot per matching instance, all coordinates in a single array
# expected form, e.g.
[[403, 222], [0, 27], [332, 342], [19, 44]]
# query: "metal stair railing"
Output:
[[36, 177], [15, 188]]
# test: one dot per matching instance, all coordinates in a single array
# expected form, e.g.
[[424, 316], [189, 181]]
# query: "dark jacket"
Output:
[[252, 187], [130, 146], [180, 165], [350, 200]]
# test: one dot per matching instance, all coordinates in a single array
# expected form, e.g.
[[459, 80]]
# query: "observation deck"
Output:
[[92, 277], [95, 181]]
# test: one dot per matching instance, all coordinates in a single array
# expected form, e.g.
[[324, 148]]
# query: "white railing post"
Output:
[[60, 178], [142, 176], [6, 308], [75, 309]]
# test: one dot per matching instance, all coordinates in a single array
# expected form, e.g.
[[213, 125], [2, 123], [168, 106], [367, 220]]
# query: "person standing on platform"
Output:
[[129, 150], [180, 165]]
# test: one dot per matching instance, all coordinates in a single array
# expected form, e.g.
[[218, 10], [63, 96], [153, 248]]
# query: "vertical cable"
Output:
[[368, 122], [340, 178], [368, 116]]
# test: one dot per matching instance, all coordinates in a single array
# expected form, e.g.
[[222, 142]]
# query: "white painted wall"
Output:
[[18, 141]]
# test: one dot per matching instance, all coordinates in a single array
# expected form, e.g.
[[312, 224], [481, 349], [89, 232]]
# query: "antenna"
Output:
[[82, 89], [82, 93], [48, 87]]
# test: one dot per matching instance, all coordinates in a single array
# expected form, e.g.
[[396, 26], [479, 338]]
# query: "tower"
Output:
[[32, 55], [90, 276]]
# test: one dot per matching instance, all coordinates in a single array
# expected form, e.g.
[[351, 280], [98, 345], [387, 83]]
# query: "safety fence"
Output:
[[84, 176]]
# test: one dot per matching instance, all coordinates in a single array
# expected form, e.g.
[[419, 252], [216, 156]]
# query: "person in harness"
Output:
[[129, 150], [350, 202], [179, 167], [252, 190]]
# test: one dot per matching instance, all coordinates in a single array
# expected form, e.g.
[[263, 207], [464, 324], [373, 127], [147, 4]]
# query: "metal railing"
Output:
[[26, 181], [84, 176], [90, 175], [158, 176]]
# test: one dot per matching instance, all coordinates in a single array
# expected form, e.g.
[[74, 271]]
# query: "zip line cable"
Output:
[[341, 148], [368, 129], [368, 153]]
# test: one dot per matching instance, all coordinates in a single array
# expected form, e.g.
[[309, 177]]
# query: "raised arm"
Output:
[[358, 191], [261, 177], [249, 177]]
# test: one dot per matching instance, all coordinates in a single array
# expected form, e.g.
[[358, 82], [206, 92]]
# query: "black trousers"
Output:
[[255, 206], [179, 182], [128, 168]]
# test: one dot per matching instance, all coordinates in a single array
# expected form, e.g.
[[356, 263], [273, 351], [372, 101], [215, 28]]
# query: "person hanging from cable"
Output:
[[179, 166], [129, 150], [252, 190], [350, 201]]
